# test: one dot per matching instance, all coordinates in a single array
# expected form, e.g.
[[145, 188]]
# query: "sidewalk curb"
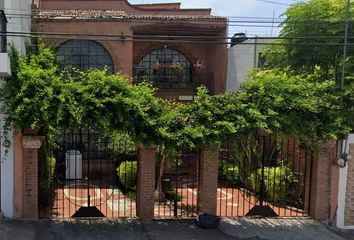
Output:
[[276, 228]]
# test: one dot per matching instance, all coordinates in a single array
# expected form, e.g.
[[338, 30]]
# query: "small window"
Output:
[[165, 68]]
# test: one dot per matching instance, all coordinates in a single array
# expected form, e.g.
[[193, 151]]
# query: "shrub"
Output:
[[172, 195], [277, 182], [127, 173], [229, 173]]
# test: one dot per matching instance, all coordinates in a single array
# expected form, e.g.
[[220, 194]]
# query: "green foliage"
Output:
[[172, 195], [278, 182], [229, 173], [46, 168], [127, 173], [38, 95], [295, 105], [131, 195], [312, 41], [121, 144]]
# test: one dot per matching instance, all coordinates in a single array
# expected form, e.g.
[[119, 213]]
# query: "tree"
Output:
[[312, 39], [39, 95], [300, 105]]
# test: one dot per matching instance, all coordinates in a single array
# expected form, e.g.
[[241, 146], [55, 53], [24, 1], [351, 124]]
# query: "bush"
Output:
[[172, 195], [277, 182], [45, 175], [127, 173], [229, 173]]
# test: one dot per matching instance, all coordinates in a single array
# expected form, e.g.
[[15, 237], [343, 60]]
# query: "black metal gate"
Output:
[[177, 185], [260, 176], [95, 175]]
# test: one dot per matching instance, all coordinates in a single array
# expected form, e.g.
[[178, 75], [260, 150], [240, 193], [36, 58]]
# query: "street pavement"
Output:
[[277, 228], [243, 228], [106, 230]]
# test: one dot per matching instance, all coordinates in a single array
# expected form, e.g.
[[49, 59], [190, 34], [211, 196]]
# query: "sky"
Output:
[[239, 8]]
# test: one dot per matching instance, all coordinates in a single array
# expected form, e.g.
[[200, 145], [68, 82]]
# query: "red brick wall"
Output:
[[127, 53], [146, 183], [320, 199], [30, 177], [30, 190], [117, 5], [208, 182], [349, 198]]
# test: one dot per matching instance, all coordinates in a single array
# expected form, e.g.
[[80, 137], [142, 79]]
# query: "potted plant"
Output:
[[177, 69]]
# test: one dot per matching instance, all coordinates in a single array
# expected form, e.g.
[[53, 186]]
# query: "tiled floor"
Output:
[[231, 202]]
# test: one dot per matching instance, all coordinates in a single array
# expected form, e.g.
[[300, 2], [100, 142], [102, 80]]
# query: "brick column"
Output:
[[146, 183], [349, 196], [208, 181], [320, 197], [30, 144]]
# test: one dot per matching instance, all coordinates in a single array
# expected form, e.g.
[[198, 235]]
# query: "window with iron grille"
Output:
[[3, 23], [83, 55], [165, 68]]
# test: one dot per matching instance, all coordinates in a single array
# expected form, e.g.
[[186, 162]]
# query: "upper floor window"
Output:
[[83, 55], [3, 30], [166, 68]]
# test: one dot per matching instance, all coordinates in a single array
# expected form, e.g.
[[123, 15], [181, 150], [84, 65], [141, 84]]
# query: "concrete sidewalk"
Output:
[[277, 228], [106, 230], [243, 228]]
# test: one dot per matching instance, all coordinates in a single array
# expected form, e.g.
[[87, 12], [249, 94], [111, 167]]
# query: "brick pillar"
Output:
[[30, 144], [146, 183], [349, 196], [208, 181], [320, 197]]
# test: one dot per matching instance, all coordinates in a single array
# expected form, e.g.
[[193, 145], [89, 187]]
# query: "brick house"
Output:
[[177, 49]]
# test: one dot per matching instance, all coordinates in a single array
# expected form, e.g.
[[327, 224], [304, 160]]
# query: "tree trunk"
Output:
[[159, 195]]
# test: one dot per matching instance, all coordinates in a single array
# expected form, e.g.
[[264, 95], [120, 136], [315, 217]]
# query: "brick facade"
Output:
[[208, 181], [349, 198], [30, 176], [146, 183], [143, 21], [321, 206]]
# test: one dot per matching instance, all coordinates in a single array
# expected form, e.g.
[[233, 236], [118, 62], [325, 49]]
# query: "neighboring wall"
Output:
[[16, 23], [345, 213], [241, 59]]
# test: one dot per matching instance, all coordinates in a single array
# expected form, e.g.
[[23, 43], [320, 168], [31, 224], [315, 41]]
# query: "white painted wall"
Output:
[[16, 23], [343, 175], [7, 183], [241, 59]]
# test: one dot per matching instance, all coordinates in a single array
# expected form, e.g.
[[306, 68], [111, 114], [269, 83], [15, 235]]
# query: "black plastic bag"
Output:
[[207, 221]]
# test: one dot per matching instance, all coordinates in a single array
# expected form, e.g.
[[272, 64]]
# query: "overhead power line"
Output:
[[115, 37], [180, 39], [273, 2]]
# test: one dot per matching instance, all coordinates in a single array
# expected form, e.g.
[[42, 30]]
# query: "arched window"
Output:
[[83, 55], [166, 68]]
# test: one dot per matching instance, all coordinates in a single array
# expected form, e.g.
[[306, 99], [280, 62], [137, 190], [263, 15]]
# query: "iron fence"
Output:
[[177, 186], [94, 176], [262, 176]]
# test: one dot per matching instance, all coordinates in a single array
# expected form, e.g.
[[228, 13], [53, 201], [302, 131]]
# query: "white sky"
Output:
[[237, 8]]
